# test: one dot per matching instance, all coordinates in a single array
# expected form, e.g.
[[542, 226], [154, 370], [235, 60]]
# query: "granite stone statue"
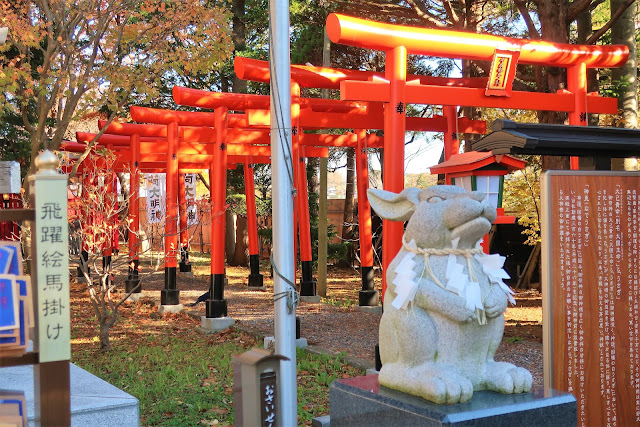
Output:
[[444, 303]]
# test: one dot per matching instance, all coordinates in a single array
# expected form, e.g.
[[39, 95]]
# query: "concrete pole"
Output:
[[282, 169]]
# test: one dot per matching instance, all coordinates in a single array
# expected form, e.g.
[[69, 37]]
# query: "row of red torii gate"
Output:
[[237, 132]]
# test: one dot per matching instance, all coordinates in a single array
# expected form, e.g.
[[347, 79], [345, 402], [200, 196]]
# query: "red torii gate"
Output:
[[255, 278], [128, 150], [206, 99], [397, 41], [216, 307], [371, 118]]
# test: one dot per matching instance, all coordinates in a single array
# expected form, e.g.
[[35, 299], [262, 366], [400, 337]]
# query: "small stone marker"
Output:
[[9, 177], [255, 385]]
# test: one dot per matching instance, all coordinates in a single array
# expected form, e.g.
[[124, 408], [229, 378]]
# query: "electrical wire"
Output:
[[286, 149], [292, 295]]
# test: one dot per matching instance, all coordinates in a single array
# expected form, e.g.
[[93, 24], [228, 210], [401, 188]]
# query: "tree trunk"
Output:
[[239, 40], [350, 203], [524, 281], [229, 234], [473, 15], [626, 77], [241, 253], [314, 182], [554, 28], [123, 214], [105, 342], [585, 30]]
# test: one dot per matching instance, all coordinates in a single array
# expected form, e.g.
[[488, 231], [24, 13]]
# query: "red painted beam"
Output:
[[191, 118], [359, 32], [241, 101], [357, 120], [320, 77], [159, 145], [189, 134], [436, 95]]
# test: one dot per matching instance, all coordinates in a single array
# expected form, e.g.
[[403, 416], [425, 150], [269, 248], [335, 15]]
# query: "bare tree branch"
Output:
[[576, 8], [524, 12], [423, 13], [455, 19], [596, 35]]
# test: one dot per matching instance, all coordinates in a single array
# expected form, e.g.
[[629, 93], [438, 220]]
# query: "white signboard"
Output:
[[51, 236], [155, 190], [190, 193]]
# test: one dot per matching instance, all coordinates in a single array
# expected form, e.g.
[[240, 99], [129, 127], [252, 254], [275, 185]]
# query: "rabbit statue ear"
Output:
[[394, 206]]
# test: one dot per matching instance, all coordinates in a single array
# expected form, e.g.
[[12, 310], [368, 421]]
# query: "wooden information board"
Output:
[[591, 292]]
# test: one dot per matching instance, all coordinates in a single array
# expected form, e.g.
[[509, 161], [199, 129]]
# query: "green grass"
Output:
[[181, 383], [338, 302]]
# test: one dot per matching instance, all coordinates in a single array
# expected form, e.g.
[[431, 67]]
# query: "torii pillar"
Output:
[[170, 295], [451, 142], [216, 306], [132, 284], [185, 265], [394, 136], [368, 296], [256, 279], [307, 284]]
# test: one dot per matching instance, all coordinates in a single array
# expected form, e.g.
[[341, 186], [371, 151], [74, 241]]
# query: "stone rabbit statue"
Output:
[[444, 303]]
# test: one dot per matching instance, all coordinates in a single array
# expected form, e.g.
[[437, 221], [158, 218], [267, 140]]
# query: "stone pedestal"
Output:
[[94, 402], [174, 308], [135, 297], [215, 324], [368, 309], [361, 401]]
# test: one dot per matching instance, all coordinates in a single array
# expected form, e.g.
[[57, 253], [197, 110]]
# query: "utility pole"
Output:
[[285, 296]]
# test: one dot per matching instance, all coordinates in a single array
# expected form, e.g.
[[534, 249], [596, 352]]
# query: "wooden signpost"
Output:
[[590, 244]]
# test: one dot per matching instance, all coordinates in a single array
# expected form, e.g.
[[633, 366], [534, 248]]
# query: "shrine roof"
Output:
[[474, 160], [509, 137]]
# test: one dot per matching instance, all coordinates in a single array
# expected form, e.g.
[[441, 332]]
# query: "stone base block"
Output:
[[308, 288], [170, 296], [321, 421], [372, 371], [94, 402], [314, 298], [216, 324], [368, 309], [361, 401], [186, 273], [256, 281], [177, 308], [368, 298], [134, 297], [270, 343]]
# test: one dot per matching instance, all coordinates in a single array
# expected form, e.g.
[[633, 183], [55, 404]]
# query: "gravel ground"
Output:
[[335, 327]]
